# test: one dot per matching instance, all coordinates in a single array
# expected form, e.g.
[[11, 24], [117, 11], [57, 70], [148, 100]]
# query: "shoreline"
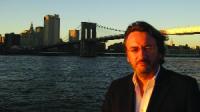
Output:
[[98, 54]]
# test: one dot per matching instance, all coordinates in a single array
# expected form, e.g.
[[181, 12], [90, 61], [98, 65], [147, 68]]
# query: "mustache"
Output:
[[143, 61]]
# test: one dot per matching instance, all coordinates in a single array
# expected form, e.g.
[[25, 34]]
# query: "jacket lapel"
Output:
[[130, 95], [160, 90]]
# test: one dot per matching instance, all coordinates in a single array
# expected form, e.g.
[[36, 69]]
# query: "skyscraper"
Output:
[[73, 35], [51, 30], [1, 39]]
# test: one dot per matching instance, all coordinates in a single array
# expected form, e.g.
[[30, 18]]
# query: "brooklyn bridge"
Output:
[[88, 41]]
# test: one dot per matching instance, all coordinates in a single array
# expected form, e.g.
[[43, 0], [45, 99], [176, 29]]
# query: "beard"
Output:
[[143, 67]]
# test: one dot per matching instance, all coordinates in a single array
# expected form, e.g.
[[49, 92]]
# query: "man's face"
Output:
[[142, 52]]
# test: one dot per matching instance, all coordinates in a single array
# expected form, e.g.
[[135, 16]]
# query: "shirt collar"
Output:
[[155, 76]]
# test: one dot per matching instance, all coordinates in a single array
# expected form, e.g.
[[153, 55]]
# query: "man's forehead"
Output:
[[139, 36], [134, 45], [140, 39]]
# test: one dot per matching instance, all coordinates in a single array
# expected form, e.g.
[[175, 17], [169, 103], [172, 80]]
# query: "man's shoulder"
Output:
[[182, 83], [125, 78], [178, 77], [122, 81]]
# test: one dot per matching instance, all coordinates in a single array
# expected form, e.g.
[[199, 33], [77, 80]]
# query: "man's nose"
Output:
[[142, 53]]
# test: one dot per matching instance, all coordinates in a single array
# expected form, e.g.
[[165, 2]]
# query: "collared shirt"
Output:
[[143, 101]]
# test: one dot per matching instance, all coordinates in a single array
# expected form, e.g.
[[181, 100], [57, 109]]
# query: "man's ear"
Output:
[[127, 59]]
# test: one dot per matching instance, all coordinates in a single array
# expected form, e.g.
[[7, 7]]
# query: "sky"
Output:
[[17, 15]]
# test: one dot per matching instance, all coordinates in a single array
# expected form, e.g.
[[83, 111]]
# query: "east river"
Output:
[[67, 83]]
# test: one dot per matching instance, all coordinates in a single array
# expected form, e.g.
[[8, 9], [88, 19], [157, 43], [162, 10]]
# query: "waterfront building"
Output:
[[31, 39], [51, 30], [116, 48], [40, 35], [73, 35], [25, 41], [1, 39], [181, 50], [28, 40], [12, 40]]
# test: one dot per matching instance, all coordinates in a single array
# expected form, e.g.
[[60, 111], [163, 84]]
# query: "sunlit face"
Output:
[[142, 52]]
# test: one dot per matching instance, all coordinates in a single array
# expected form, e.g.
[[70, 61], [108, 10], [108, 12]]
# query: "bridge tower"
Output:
[[88, 39]]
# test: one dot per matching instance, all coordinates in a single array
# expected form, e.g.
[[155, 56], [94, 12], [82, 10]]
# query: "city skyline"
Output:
[[16, 16]]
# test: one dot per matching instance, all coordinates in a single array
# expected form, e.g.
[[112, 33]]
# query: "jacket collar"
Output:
[[161, 88]]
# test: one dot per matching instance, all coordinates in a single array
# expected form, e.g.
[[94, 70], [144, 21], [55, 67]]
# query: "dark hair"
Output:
[[145, 27]]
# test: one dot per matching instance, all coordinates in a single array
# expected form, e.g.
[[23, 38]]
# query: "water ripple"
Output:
[[67, 84]]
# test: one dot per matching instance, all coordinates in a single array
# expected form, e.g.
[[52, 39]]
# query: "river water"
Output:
[[67, 83]]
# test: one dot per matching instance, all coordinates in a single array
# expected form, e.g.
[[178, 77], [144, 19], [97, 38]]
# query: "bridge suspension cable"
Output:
[[109, 28], [104, 31]]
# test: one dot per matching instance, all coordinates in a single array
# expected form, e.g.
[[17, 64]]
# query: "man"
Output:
[[151, 88]]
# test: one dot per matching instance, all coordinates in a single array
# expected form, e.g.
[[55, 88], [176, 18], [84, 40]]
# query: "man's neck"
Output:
[[143, 79]]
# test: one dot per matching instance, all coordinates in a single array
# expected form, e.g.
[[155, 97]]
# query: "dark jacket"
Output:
[[172, 93]]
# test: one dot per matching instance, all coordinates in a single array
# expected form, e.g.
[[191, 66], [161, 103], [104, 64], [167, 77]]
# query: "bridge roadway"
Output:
[[99, 39], [121, 36], [188, 33], [112, 37]]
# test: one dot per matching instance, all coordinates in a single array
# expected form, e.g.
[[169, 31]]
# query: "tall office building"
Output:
[[51, 30], [1, 39], [39, 32], [73, 35], [28, 38]]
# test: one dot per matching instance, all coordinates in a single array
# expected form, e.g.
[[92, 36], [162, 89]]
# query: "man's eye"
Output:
[[134, 50], [148, 47]]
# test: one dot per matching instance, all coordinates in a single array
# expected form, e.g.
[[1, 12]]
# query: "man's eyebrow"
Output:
[[133, 47]]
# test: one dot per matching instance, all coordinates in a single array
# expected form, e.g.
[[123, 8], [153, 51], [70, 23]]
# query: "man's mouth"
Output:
[[143, 62]]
